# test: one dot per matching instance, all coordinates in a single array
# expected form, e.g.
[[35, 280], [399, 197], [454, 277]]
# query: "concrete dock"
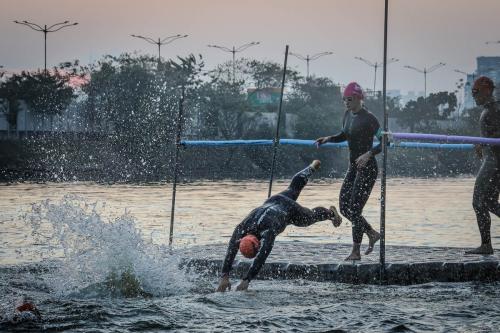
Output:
[[325, 262]]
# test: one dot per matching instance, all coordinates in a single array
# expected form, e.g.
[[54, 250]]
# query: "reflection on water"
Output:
[[269, 306], [426, 212], [107, 265]]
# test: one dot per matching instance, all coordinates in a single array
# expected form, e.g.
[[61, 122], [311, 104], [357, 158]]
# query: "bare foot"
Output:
[[355, 254], [336, 219], [373, 238], [483, 249], [315, 165]]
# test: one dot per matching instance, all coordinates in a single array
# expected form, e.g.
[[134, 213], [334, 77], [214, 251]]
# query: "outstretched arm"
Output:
[[340, 137], [232, 250]]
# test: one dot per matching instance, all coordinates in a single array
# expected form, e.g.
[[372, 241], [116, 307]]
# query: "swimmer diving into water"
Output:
[[255, 235]]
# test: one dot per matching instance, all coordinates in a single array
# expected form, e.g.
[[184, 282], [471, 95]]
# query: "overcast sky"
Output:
[[421, 33]]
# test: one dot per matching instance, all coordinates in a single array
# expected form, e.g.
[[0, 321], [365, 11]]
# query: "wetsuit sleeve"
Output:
[[232, 249], [378, 148], [267, 243], [340, 137], [377, 132]]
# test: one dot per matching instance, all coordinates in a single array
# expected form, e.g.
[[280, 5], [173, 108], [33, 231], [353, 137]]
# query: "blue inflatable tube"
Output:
[[310, 143]]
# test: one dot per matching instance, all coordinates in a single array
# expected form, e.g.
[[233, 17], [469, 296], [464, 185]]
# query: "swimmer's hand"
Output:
[[363, 159], [224, 284], [243, 286], [479, 151], [321, 141]]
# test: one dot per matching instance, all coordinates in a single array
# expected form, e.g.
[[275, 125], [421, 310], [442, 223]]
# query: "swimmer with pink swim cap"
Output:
[[354, 89], [358, 127]]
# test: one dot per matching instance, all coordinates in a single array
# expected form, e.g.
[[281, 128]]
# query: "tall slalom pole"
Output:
[[277, 137], [384, 155], [176, 165]]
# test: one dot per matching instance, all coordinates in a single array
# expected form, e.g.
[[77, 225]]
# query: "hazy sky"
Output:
[[421, 33]]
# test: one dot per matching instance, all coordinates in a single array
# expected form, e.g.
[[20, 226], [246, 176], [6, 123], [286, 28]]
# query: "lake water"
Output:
[[61, 241]]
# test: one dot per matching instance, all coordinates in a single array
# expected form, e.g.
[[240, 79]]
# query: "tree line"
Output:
[[130, 102]]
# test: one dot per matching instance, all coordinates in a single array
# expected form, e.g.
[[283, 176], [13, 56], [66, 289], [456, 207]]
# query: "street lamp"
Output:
[[473, 75], [425, 71], [376, 65], [160, 42], [234, 50], [493, 42], [308, 58], [46, 30]]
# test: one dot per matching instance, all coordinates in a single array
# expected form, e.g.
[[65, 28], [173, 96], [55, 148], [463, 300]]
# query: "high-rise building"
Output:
[[487, 66]]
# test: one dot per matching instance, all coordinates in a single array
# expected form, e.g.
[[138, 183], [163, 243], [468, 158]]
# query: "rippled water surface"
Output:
[[63, 250], [270, 306]]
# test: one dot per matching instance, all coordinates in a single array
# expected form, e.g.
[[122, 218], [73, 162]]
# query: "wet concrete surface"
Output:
[[325, 262]]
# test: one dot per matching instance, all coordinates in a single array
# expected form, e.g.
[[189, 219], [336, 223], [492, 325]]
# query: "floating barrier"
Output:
[[445, 138], [310, 143]]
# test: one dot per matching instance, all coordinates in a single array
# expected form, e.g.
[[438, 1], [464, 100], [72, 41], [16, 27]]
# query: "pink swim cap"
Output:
[[354, 89]]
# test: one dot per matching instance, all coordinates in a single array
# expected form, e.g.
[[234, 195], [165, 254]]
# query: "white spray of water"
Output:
[[94, 249]]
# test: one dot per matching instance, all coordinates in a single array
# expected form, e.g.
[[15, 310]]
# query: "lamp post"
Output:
[[493, 42], [426, 71], [465, 73], [467, 83], [375, 66], [308, 58], [160, 42], [46, 30], [234, 50]]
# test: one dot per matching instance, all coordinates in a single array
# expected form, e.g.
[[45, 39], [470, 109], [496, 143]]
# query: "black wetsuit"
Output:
[[270, 219], [486, 188], [358, 129]]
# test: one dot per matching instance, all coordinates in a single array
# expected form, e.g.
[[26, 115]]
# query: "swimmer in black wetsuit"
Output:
[[487, 185], [269, 220], [359, 126]]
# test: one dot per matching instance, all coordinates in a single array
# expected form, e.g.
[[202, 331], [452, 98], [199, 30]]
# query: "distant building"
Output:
[[487, 66], [410, 96], [71, 120], [264, 96], [394, 93], [265, 102]]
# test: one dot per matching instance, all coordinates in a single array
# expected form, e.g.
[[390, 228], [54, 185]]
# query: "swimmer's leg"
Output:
[[300, 180], [304, 217], [485, 198]]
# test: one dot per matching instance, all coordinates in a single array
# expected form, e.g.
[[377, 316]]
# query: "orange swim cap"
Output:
[[249, 246], [483, 83], [26, 307]]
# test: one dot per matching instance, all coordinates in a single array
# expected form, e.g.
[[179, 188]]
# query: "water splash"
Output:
[[100, 253]]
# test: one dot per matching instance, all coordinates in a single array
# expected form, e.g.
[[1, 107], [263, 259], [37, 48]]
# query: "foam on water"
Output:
[[93, 249]]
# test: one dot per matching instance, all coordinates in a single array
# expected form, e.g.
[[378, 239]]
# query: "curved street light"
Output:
[[160, 42], [426, 71], [493, 42], [234, 50], [473, 75], [53, 28], [375, 66], [308, 58]]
